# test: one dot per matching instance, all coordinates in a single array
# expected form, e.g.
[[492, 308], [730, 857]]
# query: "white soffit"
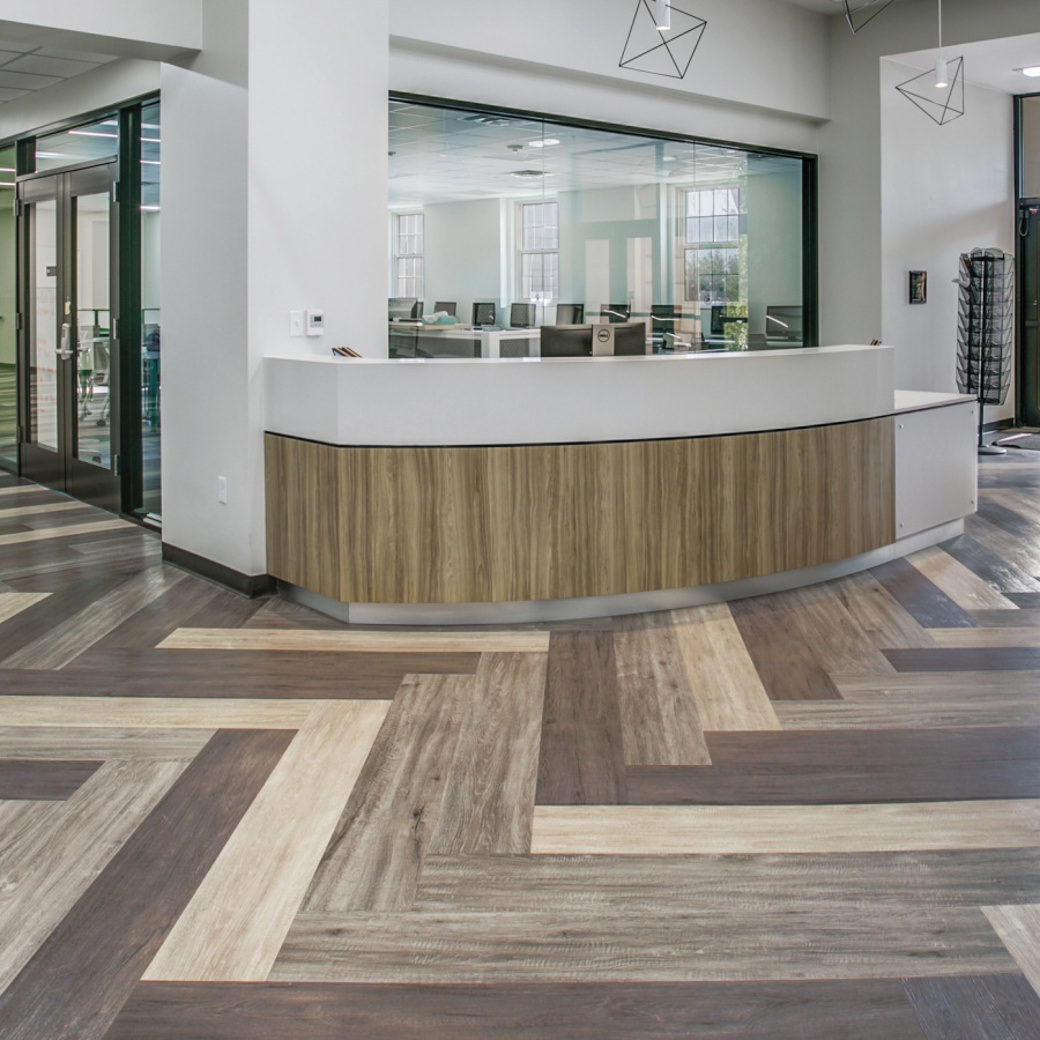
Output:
[[26, 68], [987, 63]]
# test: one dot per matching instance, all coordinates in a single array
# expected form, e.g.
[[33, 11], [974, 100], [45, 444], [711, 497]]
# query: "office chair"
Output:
[[570, 313], [483, 314], [522, 315], [447, 308]]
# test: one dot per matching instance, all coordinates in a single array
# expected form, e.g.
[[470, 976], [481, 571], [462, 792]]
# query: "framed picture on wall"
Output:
[[918, 286]]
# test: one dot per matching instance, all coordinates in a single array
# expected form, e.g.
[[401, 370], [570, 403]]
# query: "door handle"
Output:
[[65, 352]]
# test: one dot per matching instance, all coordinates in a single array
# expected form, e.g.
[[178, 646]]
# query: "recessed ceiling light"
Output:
[[543, 142], [1030, 70]]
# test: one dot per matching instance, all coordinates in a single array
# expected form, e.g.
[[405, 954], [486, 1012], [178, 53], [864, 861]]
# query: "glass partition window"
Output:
[[1030, 146], [150, 500], [408, 255], [8, 314], [81, 144], [702, 242]]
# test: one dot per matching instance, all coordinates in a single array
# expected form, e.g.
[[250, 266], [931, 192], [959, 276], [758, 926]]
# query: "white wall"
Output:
[[944, 191], [465, 254]]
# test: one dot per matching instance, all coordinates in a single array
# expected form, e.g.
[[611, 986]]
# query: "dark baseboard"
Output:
[[244, 584]]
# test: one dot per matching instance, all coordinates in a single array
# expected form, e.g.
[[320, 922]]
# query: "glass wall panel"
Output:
[[1031, 147], [43, 313], [151, 312], [80, 145], [8, 309], [701, 242]]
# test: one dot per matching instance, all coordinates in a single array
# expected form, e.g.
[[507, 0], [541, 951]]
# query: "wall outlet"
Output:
[[222, 490], [296, 323]]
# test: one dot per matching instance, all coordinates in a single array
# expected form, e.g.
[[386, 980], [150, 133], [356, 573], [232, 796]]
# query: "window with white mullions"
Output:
[[408, 255], [539, 251], [712, 248]]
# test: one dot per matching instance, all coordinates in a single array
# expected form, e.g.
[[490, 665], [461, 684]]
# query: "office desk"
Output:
[[476, 491], [464, 341]]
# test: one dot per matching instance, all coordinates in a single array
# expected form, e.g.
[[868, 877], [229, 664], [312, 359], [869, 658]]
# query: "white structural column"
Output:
[[274, 199]]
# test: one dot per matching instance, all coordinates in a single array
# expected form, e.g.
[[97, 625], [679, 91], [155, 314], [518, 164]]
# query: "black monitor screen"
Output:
[[522, 315], [404, 307], [566, 341], [784, 323], [630, 338]]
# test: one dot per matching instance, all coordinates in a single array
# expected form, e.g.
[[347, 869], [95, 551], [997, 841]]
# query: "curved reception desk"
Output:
[[459, 491]]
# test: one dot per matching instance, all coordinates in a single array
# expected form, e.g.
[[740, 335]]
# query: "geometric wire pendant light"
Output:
[[859, 12], [944, 107], [662, 39]]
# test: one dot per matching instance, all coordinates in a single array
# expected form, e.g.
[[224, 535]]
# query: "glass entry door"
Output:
[[70, 383]]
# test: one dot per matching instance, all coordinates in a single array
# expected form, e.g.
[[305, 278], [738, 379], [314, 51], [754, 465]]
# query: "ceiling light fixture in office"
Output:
[[859, 13], [662, 39], [920, 90]]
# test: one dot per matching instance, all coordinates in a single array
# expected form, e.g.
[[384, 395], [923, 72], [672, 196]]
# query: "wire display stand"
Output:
[[985, 330]]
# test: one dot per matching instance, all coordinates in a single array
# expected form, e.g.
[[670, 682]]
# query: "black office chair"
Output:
[[446, 308], [522, 315], [570, 313], [483, 314], [616, 312], [566, 341]]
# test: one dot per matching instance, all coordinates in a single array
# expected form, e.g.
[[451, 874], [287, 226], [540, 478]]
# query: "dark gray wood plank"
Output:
[[41, 780], [76, 983], [957, 659], [582, 758], [856, 1010], [976, 1007]]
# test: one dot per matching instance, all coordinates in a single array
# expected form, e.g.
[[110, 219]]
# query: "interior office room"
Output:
[[493, 535]]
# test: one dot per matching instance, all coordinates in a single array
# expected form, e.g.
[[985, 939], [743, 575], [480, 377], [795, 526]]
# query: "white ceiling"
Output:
[[25, 68], [988, 63]]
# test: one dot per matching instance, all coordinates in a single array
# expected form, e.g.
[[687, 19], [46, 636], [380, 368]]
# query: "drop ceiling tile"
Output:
[[41, 65], [10, 94], [11, 45], [26, 81], [6, 56], [87, 56]]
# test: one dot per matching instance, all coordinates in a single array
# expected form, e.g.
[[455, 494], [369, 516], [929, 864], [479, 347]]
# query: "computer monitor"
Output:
[[405, 308], [721, 315], [630, 338], [483, 314], [566, 341], [570, 313], [445, 307], [784, 322], [522, 315]]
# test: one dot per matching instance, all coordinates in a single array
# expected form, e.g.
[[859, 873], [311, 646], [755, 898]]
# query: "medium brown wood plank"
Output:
[[921, 598], [982, 1007], [659, 718], [374, 857], [654, 884], [982, 638], [985, 659], [827, 942], [1019, 930], [582, 753], [83, 973], [886, 622], [875, 1009], [1027, 617], [40, 780], [804, 768], [787, 665], [489, 792]]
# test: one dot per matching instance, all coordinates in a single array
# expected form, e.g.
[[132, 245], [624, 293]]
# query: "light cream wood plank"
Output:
[[725, 686], [65, 642], [184, 712], [12, 603], [23, 489], [239, 916], [981, 638], [963, 586], [461, 642], [660, 723], [1024, 501], [16, 512], [1019, 930], [489, 790], [49, 862], [887, 623], [93, 527], [939, 686], [677, 830], [831, 942], [95, 744]]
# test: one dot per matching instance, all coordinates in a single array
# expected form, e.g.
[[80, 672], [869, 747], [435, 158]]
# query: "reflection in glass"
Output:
[[81, 144], [8, 310], [151, 314], [43, 324], [696, 240], [93, 328]]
